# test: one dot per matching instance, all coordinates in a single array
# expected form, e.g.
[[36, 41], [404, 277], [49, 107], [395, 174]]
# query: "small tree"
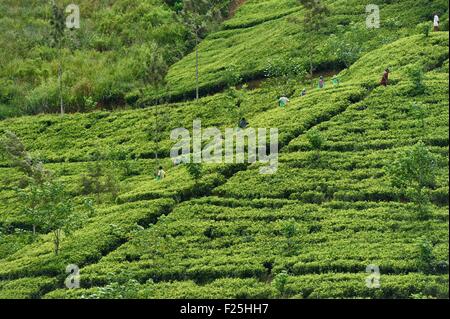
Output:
[[280, 282], [417, 76], [152, 68], [235, 98], [200, 16], [285, 75], [150, 65], [413, 172], [49, 206], [289, 231], [427, 260], [418, 112], [14, 150], [195, 170], [316, 142], [44, 202], [57, 22], [314, 20], [99, 178], [348, 43], [34, 171]]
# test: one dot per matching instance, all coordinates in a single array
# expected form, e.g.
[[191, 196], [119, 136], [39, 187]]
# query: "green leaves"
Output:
[[316, 14], [280, 282], [15, 152], [415, 167], [414, 172], [194, 170], [315, 139], [57, 21]]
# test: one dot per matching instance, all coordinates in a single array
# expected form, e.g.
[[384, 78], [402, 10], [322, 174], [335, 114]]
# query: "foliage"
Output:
[[225, 236], [115, 290], [200, 17], [315, 139], [280, 282], [426, 257], [347, 43], [195, 171], [313, 21], [100, 178], [414, 171], [49, 208], [105, 59], [289, 231], [417, 77], [419, 113], [316, 142], [15, 152], [284, 75]]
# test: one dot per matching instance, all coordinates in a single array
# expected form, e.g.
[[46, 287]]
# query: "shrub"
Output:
[[280, 281], [195, 171], [315, 139], [426, 260], [416, 75], [414, 171], [313, 197]]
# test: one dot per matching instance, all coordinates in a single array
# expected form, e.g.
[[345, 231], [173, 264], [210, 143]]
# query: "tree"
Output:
[[57, 22], [14, 151], [235, 98], [416, 75], [348, 43], [280, 282], [200, 16], [195, 171], [152, 68], [44, 202], [285, 75], [316, 142], [99, 178], [49, 207], [314, 20], [413, 172], [427, 259], [289, 231], [34, 171]]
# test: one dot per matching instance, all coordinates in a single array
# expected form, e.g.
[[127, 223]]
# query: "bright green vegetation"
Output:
[[272, 31], [308, 231], [104, 62]]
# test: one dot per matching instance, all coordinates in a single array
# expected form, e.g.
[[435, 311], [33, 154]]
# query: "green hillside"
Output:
[[105, 62], [307, 231], [271, 31]]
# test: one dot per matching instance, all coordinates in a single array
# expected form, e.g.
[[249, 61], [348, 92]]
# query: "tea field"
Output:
[[308, 231]]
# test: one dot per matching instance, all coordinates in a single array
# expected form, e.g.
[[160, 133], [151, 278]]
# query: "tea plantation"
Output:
[[308, 231]]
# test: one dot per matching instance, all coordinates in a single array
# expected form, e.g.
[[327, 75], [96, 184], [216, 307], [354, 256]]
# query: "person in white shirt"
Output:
[[283, 101], [436, 23], [161, 174]]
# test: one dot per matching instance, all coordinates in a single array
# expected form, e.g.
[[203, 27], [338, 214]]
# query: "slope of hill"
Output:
[[318, 222], [272, 31], [104, 61]]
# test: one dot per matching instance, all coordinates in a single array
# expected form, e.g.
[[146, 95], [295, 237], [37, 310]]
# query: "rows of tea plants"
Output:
[[103, 231], [204, 242], [319, 221], [125, 135], [273, 31], [308, 231]]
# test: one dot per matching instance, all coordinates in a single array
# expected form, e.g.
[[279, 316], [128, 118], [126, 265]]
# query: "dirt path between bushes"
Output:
[[234, 6]]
